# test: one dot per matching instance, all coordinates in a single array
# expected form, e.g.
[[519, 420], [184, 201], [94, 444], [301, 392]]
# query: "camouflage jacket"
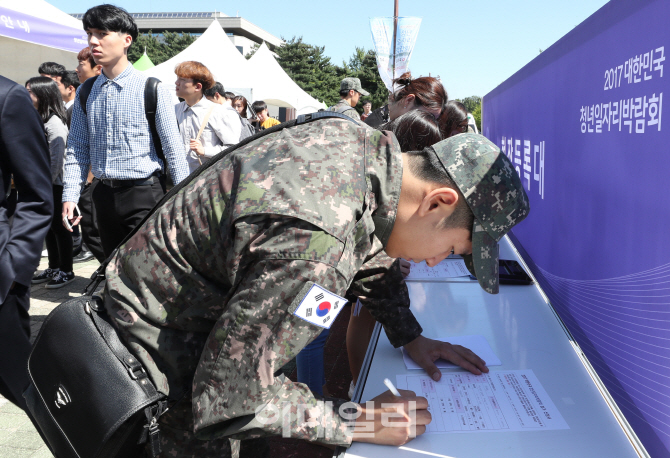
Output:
[[204, 292], [346, 109]]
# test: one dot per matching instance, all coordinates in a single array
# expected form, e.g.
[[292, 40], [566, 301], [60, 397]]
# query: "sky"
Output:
[[473, 46]]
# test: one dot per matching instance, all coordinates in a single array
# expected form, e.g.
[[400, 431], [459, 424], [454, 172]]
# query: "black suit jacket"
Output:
[[25, 155]]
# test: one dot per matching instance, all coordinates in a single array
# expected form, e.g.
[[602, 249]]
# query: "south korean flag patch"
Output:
[[319, 306]]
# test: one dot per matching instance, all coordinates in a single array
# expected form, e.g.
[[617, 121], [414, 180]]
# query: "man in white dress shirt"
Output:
[[223, 127]]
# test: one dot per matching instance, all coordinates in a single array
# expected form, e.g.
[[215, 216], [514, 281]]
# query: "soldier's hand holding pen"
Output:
[[392, 420]]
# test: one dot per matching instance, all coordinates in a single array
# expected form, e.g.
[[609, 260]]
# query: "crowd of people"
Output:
[[207, 292]]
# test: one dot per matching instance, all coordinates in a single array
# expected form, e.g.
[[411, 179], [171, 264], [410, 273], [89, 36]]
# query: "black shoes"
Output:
[[60, 279], [84, 256], [46, 275]]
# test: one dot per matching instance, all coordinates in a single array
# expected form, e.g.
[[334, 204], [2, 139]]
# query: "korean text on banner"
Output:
[[20, 26], [382, 37]]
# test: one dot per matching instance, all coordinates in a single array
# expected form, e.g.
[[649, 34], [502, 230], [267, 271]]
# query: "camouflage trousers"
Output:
[[179, 441]]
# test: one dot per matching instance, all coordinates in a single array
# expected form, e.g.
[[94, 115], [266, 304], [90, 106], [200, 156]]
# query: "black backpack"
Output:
[[150, 105]]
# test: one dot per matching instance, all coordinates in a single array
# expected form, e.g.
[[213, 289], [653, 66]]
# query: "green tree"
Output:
[[474, 105], [159, 49], [363, 65], [252, 51], [311, 69]]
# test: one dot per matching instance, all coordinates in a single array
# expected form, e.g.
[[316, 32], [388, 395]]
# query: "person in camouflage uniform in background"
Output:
[[350, 93], [211, 292]]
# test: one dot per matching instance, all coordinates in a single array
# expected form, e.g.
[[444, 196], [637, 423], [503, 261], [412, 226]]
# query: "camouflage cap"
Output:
[[494, 193], [348, 84]]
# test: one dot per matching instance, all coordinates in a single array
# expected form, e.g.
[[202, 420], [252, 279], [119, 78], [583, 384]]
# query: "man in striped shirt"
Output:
[[113, 136]]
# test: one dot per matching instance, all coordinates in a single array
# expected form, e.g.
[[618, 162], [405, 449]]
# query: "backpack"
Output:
[[340, 109], [247, 129], [150, 105]]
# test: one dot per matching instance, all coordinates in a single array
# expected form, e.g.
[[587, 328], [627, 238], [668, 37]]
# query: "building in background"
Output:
[[242, 33]]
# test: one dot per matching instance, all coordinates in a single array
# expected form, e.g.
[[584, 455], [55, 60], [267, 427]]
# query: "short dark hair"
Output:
[[51, 69], [70, 78], [49, 99], [345, 92], [415, 130], [110, 18], [259, 106], [425, 166], [216, 89], [454, 114], [229, 95], [85, 54]]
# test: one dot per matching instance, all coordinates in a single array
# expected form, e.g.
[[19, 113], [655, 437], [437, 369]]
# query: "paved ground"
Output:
[[18, 437]]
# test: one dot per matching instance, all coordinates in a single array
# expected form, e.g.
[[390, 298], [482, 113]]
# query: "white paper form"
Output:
[[478, 344], [497, 401], [448, 268]]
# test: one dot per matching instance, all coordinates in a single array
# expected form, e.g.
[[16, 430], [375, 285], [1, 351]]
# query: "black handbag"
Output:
[[90, 397]]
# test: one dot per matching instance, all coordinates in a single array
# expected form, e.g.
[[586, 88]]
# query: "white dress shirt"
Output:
[[223, 128]]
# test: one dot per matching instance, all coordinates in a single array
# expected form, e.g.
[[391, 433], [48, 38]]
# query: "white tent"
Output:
[[215, 50], [32, 32], [275, 87], [259, 78]]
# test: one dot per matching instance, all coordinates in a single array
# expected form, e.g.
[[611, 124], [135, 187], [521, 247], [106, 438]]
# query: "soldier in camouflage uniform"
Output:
[[215, 291], [351, 92]]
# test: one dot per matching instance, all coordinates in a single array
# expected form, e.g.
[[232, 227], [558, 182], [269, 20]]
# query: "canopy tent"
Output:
[[275, 87], [259, 78], [215, 50], [143, 63], [32, 32]]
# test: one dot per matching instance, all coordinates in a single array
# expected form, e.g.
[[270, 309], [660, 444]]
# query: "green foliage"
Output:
[[474, 105], [363, 65], [252, 51], [311, 70], [314, 72], [477, 113], [160, 49]]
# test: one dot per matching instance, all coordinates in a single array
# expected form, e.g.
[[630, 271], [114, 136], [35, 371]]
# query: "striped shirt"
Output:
[[114, 138]]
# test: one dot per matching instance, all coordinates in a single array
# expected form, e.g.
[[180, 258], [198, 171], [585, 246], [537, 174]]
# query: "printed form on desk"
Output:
[[497, 401], [451, 267]]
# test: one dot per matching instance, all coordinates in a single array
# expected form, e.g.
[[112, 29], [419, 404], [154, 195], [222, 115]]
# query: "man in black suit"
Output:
[[25, 156]]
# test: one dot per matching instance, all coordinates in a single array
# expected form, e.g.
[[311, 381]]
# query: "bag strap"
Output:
[[341, 108], [205, 121], [85, 91], [99, 275], [136, 371], [202, 127], [150, 108]]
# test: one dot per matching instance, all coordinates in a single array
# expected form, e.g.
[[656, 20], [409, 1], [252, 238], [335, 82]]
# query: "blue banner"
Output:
[[583, 123], [35, 30]]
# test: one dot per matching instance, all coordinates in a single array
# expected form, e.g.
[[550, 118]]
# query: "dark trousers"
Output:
[[89, 222], [15, 344], [120, 209], [59, 239]]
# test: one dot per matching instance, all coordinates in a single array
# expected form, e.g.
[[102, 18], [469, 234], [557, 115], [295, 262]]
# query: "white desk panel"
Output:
[[525, 334]]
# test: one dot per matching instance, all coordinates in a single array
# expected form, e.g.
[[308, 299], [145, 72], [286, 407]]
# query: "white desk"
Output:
[[525, 333]]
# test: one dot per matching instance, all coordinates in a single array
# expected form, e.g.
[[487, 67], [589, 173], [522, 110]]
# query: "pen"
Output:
[[391, 387]]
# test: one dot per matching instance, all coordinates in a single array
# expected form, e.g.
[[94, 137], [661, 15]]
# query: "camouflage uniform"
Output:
[[341, 107], [204, 292]]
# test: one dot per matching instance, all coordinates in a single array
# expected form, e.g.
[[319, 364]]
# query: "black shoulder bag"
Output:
[[89, 395]]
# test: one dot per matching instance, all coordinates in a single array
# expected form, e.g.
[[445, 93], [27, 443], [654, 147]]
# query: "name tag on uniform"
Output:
[[320, 306]]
